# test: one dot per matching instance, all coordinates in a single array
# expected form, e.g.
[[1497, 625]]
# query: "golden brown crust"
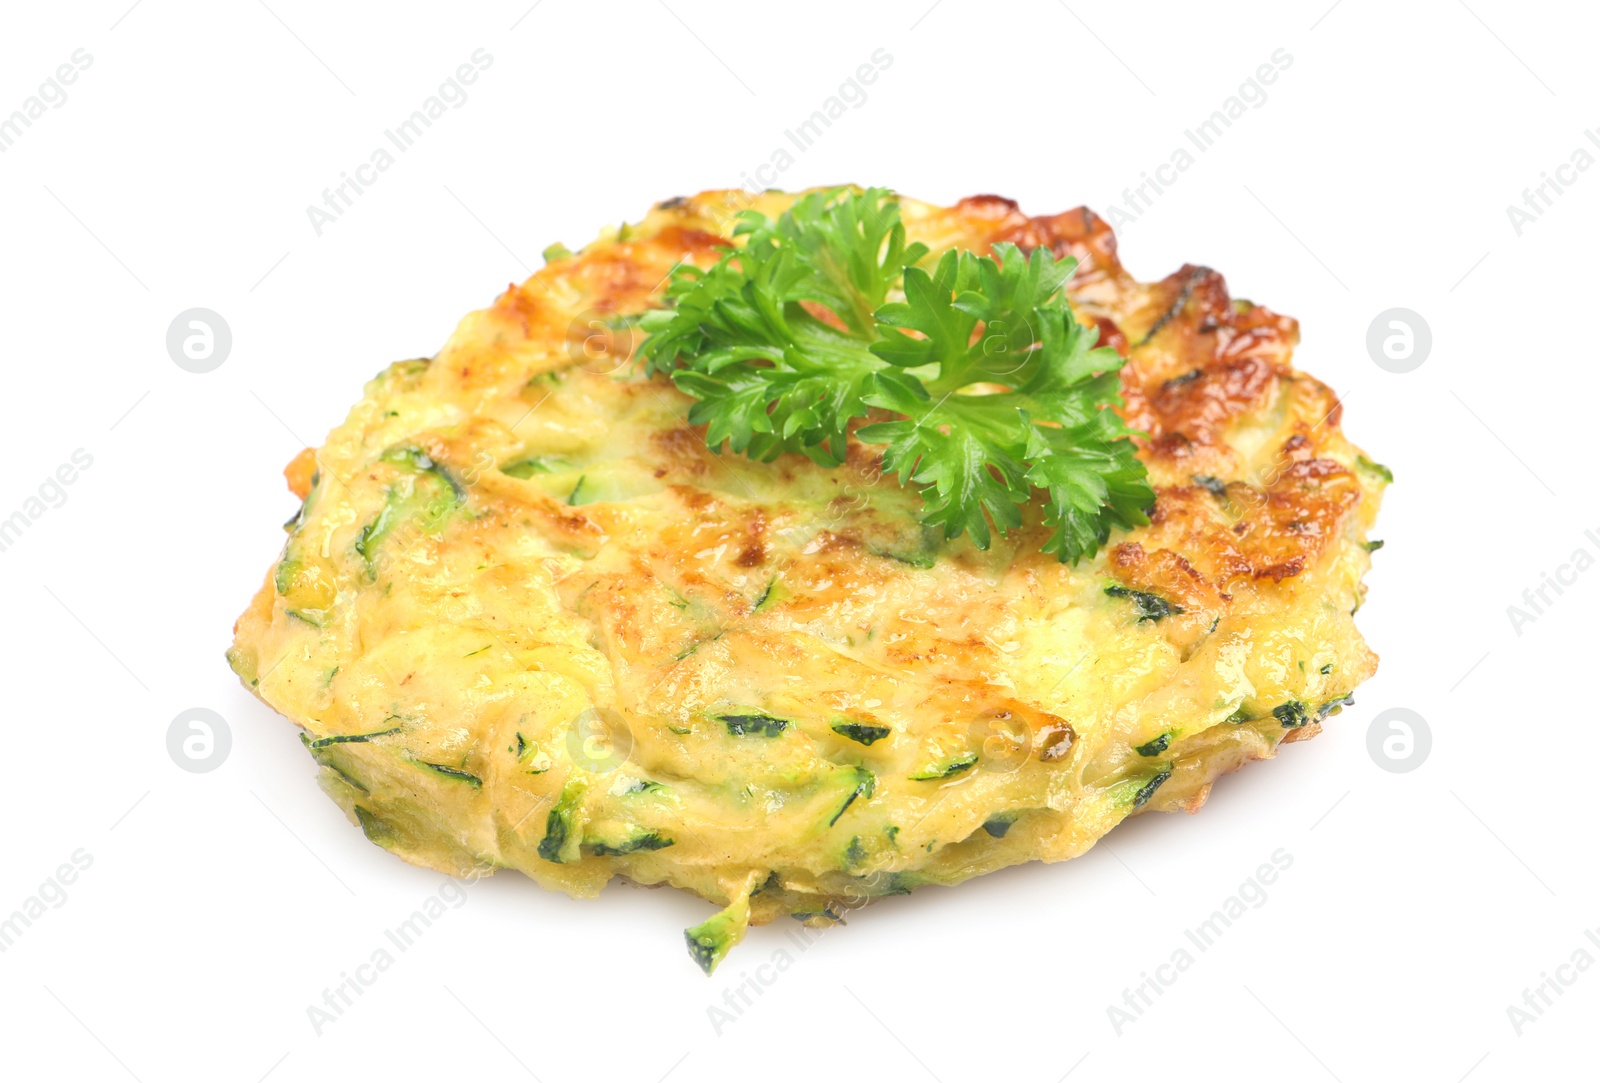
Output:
[[301, 469]]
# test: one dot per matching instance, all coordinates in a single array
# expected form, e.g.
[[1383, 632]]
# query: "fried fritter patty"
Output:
[[527, 619]]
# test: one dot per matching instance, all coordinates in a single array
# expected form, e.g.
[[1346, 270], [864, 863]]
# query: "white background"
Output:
[[219, 906]]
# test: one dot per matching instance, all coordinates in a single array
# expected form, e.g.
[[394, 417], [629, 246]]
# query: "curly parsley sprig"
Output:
[[802, 329]]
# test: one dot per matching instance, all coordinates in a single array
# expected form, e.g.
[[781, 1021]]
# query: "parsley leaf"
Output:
[[826, 315]]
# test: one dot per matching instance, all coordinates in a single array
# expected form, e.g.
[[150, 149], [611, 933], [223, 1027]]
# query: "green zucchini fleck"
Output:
[[753, 724], [415, 459], [710, 940], [805, 917], [242, 664], [697, 644], [945, 770], [642, 841], [526, 468], [862, 783], [304, 511], [1326, 669], [326, 757], [1155, 747], [294, 521], [377, 830], [433, 493], [901, 883], [1376, 469], [707, 945], [1244, 714], [1372, 546], [1210, 484], [914, 560], [373, 533], [998, 824], [560, 842], [452, 772], [351, 738], [1292, 714], [315, 617], [1149, 788], [538, 763], [1151, 607], [555, 252], [773, 594], [859, 732]]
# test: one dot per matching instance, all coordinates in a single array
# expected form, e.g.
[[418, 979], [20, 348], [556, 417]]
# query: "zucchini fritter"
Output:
[[527, 619]]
